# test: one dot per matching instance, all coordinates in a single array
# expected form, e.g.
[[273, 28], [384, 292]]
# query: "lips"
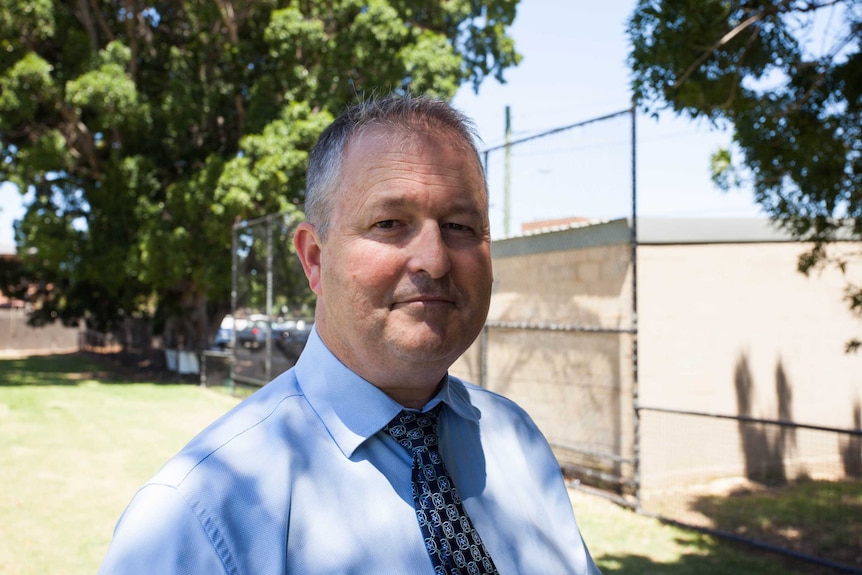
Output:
[[430, 300]]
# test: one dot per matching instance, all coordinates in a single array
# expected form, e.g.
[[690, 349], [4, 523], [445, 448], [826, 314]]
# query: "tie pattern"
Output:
[[452, 542]]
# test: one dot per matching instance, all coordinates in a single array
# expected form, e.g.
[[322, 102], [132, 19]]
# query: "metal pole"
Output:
[[634, 260], [485, 160], [483, 338], [507, 183], [268, 359], [234, 270]]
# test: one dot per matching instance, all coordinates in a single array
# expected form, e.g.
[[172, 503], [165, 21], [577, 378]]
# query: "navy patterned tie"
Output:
[[450, 538]]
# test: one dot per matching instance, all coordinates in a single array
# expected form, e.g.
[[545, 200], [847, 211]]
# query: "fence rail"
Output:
[[776, 484], [562, 340], [269, 291]]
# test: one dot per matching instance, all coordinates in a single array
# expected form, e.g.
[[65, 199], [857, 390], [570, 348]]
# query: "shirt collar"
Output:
[[353, 409]]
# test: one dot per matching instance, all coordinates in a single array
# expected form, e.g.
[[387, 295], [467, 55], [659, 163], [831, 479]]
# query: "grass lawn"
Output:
[[625, 543], [77, 440], [75, 444]]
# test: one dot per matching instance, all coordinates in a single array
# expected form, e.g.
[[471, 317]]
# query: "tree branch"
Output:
[[106, 30], [130, 21], [225, 8], [83, 14], [724, 40], [229, 18], [80, 140], [810, 7], [738, 73]]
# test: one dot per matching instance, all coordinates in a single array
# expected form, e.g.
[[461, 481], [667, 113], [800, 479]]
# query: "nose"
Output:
[[428, 252]]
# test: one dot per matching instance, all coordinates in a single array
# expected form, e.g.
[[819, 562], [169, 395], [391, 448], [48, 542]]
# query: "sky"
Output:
[[573, 70]]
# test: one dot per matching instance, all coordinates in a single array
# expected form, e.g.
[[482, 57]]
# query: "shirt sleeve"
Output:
[[159, 533]]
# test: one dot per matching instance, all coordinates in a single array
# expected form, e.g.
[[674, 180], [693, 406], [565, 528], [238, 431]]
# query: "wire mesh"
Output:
[[561, 329], [581, 170], [216, 369], [559, 342], [562, 341], [783, 485], [272, 305]]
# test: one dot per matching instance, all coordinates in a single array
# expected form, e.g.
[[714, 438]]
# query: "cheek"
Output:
[[368, 271], [477, 267]]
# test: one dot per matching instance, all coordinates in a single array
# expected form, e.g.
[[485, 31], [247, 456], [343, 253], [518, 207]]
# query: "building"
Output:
[[718, 322]]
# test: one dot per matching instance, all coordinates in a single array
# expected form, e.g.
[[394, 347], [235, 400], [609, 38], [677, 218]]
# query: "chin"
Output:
[[428, 349]]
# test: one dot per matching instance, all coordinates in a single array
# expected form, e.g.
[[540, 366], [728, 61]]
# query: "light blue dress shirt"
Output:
[[300, 479]]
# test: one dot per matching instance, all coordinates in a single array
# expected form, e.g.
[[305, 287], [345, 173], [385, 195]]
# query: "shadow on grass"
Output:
[[701, 565], [816, 518], [73, 368], [640, 565], [711, 556]]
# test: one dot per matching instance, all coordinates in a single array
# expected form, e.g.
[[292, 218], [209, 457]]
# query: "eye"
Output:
[[457, 227], [386, 224]]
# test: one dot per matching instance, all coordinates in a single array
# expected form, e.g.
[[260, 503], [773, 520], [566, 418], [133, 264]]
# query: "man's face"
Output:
[[403, 277]]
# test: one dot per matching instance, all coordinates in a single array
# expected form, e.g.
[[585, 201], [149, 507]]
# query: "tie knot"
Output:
[[414, 430]]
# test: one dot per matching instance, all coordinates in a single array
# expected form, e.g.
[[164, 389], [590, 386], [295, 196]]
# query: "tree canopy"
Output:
[[786, 75], [145, 130]]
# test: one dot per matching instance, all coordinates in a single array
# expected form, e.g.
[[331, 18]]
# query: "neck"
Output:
[[411, 396], [411, 385]]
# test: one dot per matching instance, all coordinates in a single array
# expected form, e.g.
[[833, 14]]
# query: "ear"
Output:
[[308, 248]]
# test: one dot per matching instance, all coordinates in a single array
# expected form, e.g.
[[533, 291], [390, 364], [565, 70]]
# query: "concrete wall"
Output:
[[734, 329], [573, 383], [726, 326], [713, 315]]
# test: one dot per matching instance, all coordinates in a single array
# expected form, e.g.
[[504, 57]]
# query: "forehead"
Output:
[[382, 152]]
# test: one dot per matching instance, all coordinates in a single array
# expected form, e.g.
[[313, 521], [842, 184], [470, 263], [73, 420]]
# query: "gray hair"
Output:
[[399, 113]]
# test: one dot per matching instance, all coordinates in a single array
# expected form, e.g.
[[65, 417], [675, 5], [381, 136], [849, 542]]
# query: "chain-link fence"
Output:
[[131, 343], [581, 171], [778, 484], [561, 333], [271, 306], [559, 340], [562, 340]]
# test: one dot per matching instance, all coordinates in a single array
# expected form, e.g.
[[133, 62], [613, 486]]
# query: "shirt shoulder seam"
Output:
[[235, 435]]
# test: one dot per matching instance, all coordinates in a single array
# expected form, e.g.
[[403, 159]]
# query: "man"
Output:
[[367, 457]]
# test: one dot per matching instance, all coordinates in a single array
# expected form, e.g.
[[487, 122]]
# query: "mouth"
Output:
[[424, 301]]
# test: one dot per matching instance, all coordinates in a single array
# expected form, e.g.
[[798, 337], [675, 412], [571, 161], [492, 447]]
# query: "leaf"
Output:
[[147, 132]]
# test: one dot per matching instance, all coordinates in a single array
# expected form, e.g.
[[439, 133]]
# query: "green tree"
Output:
[[786, 76], [146, 130]]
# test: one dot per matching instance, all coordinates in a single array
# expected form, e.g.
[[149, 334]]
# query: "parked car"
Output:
[[290, 337], [253, 334], [223, 338]]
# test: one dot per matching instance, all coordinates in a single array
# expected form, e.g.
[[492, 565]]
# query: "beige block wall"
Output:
[[726, 328], [714, 316], [568, 381], [587, 287], [735, 329]]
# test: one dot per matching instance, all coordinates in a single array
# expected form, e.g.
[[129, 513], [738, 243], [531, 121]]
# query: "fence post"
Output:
[[636, 455], [234, 267], [268, 359]]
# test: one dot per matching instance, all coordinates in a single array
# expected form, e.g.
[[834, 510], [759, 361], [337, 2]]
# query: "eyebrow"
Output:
[[399, 201]]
